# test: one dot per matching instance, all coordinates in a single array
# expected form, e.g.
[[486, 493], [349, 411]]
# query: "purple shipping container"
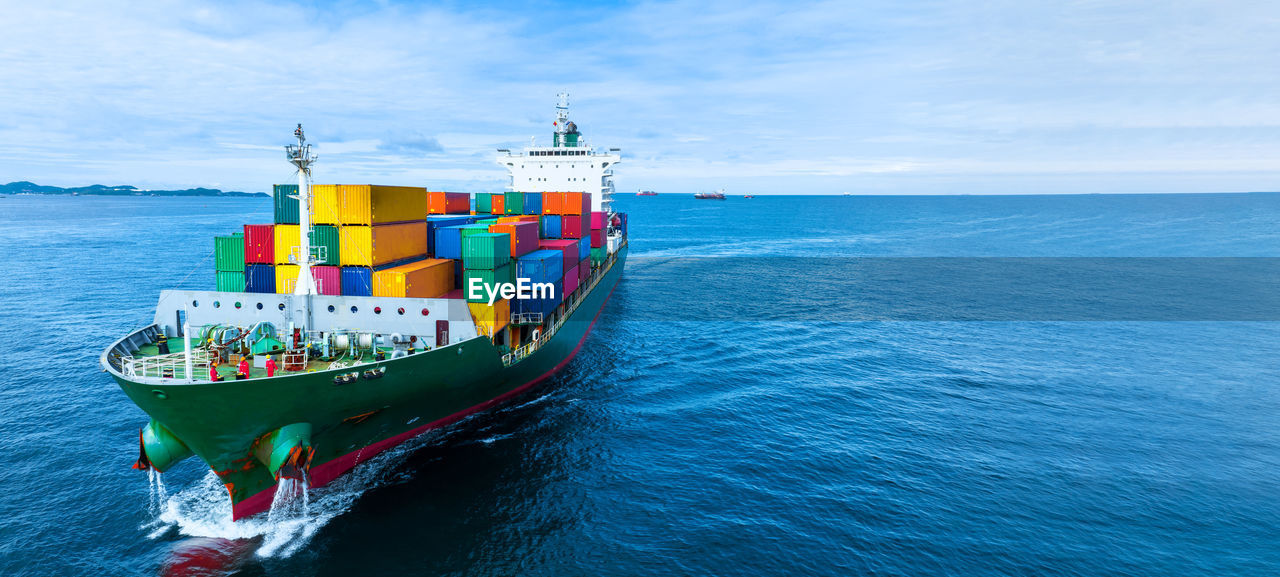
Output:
[[571, 280], [597, 220], [584, 269], [567, 246], [597, 238], [524, 236]]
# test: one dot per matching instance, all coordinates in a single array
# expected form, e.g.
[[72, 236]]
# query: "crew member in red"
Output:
[[243, 371], [213, 372], [271, 366]]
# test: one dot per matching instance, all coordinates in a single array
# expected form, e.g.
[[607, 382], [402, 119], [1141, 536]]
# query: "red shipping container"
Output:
[[574, 226], [566, 246], [552, 203], [259, 243], [584, 270], [496, 205], [597, 238], [328, 279], [524, 236], [448, 203], [571, 280], [597, 220]]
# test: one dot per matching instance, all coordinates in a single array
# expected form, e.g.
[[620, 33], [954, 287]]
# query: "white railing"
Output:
[[172, 366]]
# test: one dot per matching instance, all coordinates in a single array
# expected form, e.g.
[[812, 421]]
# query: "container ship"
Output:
[[366, 315], [717, 195]]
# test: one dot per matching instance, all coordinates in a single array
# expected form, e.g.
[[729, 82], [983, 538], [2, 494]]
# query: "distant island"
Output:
[[24, 187]]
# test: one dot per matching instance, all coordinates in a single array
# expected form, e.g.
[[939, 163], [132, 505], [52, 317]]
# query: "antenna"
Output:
[[562, 113], [300, 156]]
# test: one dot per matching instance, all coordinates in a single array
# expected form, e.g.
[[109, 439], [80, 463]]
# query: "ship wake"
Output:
[[202, 510]]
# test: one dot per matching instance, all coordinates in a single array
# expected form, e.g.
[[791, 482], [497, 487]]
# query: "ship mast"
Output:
[[300, 156]]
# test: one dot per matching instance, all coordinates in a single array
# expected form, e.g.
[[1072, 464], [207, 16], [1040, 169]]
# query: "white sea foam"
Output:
[[297, 514]]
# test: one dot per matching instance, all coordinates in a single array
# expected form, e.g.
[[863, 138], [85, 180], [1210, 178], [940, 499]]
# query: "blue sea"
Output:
[[703, 432]]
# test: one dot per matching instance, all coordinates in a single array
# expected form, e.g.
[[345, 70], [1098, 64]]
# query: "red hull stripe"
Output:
[[322, 474]]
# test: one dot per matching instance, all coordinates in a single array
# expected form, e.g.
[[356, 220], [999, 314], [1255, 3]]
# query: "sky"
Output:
[[754, 97]]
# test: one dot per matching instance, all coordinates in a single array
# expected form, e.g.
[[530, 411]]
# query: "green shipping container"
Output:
[[230, 281], [228, 254], [327, 236], [471, 229], [286, 207], [484, 203], [488, 278], [513, 203], [486, 250], [487, 221], [597, 255]]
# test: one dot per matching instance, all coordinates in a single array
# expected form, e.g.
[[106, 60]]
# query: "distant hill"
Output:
[[24, 187]]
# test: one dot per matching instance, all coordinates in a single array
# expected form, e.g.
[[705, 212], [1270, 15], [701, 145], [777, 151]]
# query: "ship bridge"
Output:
[[568, 165]]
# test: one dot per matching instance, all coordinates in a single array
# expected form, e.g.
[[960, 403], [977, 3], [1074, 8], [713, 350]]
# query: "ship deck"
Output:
[[228, 370]]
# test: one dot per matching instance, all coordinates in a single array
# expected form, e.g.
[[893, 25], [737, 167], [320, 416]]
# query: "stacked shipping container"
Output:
[[376, 240]]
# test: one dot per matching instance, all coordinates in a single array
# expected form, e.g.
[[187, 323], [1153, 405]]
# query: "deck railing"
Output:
[[528, 349], [170, 366]]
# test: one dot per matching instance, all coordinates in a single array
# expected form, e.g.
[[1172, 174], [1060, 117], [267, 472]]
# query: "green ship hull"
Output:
[[231, 425]]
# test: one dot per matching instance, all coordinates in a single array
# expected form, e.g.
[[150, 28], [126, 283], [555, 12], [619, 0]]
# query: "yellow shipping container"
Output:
[[491, 318], [286, 278], [286, 242], [424, 279], [381, 244], [324, 204], [370, 204]]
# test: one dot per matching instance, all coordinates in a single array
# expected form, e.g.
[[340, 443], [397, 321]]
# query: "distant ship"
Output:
[[646, 193], [748, 196], [717, 195]]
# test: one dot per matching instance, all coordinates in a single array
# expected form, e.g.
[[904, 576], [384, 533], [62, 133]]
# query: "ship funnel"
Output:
[[159, 448], [287, 451]]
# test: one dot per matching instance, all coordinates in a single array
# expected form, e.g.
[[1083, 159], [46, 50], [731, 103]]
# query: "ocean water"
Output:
[[703, 432]]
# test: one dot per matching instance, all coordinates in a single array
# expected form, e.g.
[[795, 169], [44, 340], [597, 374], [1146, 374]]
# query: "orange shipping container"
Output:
[[491, 319], [448, 202], [574, 203], [370, 204], [521, 218], [425, 279], [496, 205], [381, 244], [552, 202]]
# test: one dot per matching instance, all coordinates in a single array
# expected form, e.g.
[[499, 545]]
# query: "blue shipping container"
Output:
[[541, 266], [449, 242], [357, 281], [438, 221], [584, 249], [533, 203], [259, 278], [549, 226]]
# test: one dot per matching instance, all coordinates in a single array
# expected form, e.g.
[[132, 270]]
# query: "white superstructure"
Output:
[[568, 165]]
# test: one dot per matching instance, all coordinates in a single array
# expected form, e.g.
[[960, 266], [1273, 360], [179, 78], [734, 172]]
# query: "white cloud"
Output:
[[818, 97]]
